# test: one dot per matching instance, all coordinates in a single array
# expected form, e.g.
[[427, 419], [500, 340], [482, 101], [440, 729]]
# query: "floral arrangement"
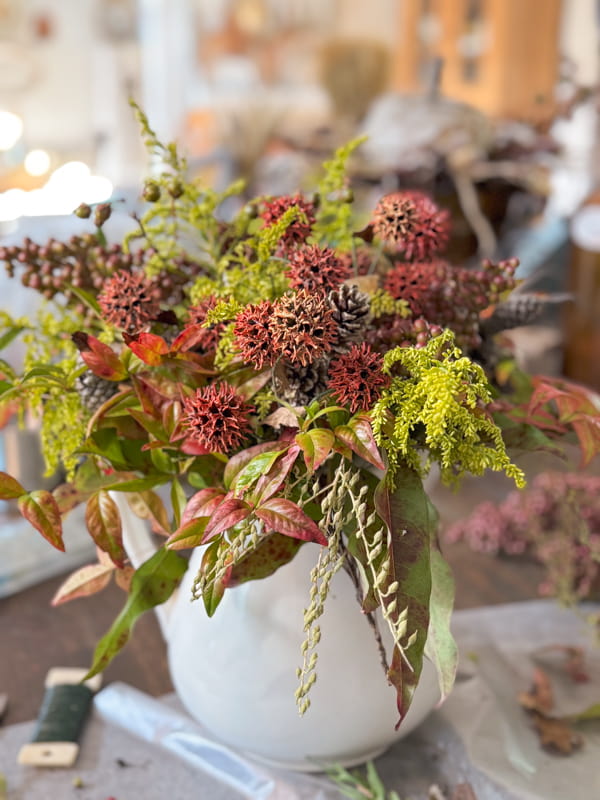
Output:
[[555, 521], [289, 379]]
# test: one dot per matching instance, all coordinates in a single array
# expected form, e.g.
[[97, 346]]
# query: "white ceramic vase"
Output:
[[236, 672]]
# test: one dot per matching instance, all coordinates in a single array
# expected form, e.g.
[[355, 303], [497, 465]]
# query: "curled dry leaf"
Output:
[[540, 697]]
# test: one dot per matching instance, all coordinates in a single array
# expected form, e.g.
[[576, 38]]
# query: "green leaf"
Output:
[[10, 335], [213, 591], [152, 584], [408, 515], [103, 520], [178, 500], [9, 487], [440, 647], [136, 484], [253, 470], [316, 445], [41, 510], [237, 462]]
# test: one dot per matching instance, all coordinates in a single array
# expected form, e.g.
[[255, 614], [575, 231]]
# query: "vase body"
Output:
[[236, 672]]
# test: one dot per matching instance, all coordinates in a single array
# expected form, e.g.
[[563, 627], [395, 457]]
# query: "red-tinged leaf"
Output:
[[189, 534], [150, 399], [148, 347], [272, 551], [587, 430], [124, 577], [9, 487], [225, 516], [316, 445], [255, 469], [99, 357], [237, 462], [274, 479], [202, 504], [41, 510], [152, 584], [83, 582], [285, 517], [67, 497], [189, 338], [411, 522], [147, 504], [192, 448], [214, 588], [103, 520], [358, 436]]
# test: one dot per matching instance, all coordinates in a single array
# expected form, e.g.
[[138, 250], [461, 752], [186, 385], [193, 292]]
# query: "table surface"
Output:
[[35, 637]]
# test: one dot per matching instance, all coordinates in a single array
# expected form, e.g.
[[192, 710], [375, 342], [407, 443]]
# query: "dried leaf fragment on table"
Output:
[[556, 735]]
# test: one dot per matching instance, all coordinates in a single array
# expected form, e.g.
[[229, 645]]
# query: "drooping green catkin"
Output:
[[444, 393], [330, 560]]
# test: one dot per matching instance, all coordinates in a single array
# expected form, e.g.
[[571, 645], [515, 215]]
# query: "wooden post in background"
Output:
[[499, 55]]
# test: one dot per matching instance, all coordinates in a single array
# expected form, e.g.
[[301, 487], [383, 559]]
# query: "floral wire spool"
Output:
[[65, 707]]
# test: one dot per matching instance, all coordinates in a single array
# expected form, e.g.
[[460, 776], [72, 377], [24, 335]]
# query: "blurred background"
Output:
[[489, 105]]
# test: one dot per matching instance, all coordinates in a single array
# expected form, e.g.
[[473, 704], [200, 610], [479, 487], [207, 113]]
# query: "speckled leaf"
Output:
[[83, 582], [440, 647], [41, 509], [273, 551], [152, 584], [148, 505], [408, 515]]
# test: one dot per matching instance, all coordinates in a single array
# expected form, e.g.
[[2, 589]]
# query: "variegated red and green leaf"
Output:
[[103, 520], [316, 445], [10, 488], [231, 511], [283, 516], [358, 436], [42, 511]]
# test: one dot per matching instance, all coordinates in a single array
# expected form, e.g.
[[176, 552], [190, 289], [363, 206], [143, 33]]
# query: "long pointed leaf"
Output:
[[41, 510], [441, 648], [152, 584]]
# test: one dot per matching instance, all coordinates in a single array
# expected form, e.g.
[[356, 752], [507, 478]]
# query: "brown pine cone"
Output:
[[351, 313], [299, 385]]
